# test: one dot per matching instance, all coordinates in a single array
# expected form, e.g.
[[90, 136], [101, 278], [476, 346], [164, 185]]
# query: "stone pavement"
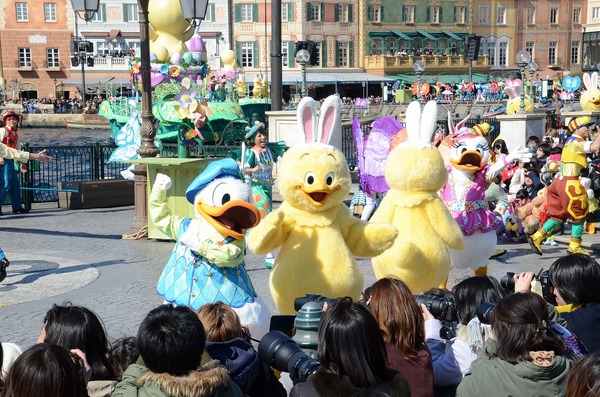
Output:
[[60, 255]]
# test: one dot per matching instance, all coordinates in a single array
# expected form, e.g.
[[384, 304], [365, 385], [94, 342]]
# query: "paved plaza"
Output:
[[78, 256]]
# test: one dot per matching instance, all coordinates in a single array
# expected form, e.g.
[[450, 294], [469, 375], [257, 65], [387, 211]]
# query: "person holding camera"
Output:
[[452, 357], [575, 279], [352, 355], [403, 328], [523, 356], [229, 342]]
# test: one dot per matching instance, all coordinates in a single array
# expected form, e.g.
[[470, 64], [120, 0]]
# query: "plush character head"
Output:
[[578, 122], [223, 199], [314, 176], [416, 165], [513, 106], [590, 99], [470, 151]]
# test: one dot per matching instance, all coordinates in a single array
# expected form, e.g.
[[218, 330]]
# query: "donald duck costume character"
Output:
[[567, 197], [207, 263]]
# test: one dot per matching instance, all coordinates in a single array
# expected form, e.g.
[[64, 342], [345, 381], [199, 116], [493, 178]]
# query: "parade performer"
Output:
[[469, 175], [207, 262], [258, 166], [9, 178], [318, 236], [566, 197], [10, 153], [415, 173]]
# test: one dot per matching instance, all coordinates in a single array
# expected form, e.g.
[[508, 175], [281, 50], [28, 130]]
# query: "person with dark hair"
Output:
[[76, 327], [352, 355], [575, 279], [452, 358], [171, 343], [403, 327], [524, 357], [45, 370], [229, 342], [584, 378], [542, 153], [122, 353]]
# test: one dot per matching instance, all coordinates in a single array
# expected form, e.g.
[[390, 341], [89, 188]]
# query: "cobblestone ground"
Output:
[[79, 256]]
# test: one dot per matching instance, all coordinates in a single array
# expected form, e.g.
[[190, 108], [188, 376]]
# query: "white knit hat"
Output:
[[10, 352]]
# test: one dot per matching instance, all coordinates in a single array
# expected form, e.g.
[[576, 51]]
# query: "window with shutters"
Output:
[[575, 52], [344, 10], [246, 12], [375, 14], [343, 54], [554, 15], [285, 9], [530, 15], [577, 15], [247, 55], [460, 14], [435, 14], [552, 52], [284, 55], [132, 14], [503, 54], [409, 14], [315, 12]]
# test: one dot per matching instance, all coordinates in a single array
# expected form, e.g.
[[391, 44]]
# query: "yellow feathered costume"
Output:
[[415, 172], [318, 236]]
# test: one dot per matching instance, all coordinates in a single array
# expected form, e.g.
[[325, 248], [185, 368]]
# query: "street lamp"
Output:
[[85, 9], [363, 86], [303, 58], [419, 68], [532, 67], [523, 59], [55, 93], [194, 11]]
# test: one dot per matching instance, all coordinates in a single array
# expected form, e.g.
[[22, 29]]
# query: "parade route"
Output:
[[78, 256]]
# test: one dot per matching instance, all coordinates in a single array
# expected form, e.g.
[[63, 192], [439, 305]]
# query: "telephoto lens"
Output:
[[508, 282], [283, 353], [484, 312]]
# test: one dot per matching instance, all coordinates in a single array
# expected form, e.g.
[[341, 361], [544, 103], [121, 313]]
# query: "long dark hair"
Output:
[[521, 324], [76, 327], [584, 378], [470, 293], [350, 343]]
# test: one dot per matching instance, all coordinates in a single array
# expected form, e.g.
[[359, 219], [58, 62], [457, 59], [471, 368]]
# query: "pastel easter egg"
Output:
[[176, 58], [187, 57], [153, 56], [162, 54], [197, 57]]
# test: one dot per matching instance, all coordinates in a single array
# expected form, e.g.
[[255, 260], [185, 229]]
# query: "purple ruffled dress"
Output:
[[468, 206]]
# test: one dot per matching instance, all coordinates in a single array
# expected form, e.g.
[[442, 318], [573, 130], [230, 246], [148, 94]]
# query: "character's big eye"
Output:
[[329, 179], [221, 194], [309, 178], [462, 150]]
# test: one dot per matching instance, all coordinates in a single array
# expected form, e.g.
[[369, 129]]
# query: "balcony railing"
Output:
[[25, 65], [393, 64], [53, 66], [108, 62]]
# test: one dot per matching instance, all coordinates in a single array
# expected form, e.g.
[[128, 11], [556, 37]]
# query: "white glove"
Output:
[[190, 240], [162, 182], [519, 153]]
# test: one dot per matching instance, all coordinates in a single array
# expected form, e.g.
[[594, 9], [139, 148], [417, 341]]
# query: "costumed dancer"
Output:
[[258, 167], [318, 236], [415, 173], [11, 153], [469, 175], [9, 178], [566, 196], [207, 262]]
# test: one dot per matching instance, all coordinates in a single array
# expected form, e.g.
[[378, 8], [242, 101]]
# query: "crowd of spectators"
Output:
[[499, 340], [59, 105]]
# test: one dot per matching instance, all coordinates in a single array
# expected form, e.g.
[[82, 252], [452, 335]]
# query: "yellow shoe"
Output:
[[592, 228], [499, 253], [535, 240], [481, 271], [575, 247]]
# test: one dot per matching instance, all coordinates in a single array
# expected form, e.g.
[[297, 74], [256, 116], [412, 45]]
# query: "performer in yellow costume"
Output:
[[567, 198]]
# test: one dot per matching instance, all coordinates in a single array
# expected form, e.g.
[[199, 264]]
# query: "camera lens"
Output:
[[283, 353], [508, 282]]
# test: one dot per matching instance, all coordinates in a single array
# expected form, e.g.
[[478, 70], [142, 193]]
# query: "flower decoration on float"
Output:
[[192, 112]]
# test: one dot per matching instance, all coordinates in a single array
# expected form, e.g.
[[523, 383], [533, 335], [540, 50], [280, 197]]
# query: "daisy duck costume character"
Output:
[[318, 236], [207, 263], [469, 175]]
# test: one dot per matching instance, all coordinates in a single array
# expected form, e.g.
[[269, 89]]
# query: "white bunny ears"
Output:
[[319, 127], [513, 92], [590, 81], [420, 126]]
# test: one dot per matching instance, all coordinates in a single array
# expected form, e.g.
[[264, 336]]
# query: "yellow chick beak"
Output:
[[317, 194], [232, 219]]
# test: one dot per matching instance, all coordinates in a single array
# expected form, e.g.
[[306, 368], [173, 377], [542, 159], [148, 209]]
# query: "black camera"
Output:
[[442, 308], [543, 277], [282, 353], [321, 300], [484, 312]]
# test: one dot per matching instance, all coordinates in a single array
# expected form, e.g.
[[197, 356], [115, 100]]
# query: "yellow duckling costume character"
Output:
[[207, 262], [415, 172], [168, 29], [318, 236], [567, 198], [590, 98]]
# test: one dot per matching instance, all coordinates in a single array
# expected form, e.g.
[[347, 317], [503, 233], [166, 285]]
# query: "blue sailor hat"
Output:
[[214, 170]]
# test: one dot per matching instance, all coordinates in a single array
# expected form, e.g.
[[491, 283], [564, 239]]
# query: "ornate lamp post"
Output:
[[84, 9], [303, 58], [532, 67], [523, 59], [419, 68], [194, 11]]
